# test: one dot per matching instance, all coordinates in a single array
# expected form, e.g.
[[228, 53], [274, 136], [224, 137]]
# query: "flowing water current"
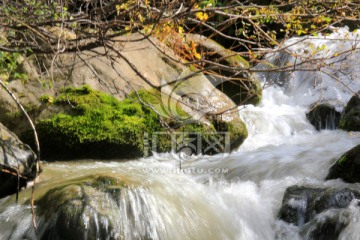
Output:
[[237, 195]]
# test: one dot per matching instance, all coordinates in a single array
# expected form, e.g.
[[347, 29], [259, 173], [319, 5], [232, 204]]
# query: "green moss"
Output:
[[236, 60], [238, 132], [97, 122], [10, 116], [97, 125], [256, 93], [350, 121], [342, 160], [347, 167], [47, 99]]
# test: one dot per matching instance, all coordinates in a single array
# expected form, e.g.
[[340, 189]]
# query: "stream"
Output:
[[236, 195]]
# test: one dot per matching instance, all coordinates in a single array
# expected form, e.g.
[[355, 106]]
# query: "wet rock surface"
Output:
[[320, 213], [324, 116], [350, 119], [84, 208], [347, 167], [17, 163]]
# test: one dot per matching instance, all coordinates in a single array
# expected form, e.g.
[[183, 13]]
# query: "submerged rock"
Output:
[[347, 167], [298, 204], [119, 201], [320, 213], [350, 119], [324, 116], [326, 226], [16, 159], [87, 208]]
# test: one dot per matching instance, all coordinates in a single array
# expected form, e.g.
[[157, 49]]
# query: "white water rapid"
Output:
[[237, 195]]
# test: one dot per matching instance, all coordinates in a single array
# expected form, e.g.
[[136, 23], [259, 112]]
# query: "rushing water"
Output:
[[237, 195]]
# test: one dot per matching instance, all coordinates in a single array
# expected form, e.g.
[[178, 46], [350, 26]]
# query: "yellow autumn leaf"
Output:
[[118, 9], [140, 17], [206, 16], [194, 51], [193, 47], [202, 16], [123, 6]]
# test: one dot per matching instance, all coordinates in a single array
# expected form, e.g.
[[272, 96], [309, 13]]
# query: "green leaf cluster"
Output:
[[9, 66]]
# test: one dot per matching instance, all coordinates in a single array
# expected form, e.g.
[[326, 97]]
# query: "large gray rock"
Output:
[[131, 63], [15, 158]]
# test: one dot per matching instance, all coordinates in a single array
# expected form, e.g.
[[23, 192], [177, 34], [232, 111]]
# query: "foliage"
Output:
[[249, 27], [9, 66], [242, 25]]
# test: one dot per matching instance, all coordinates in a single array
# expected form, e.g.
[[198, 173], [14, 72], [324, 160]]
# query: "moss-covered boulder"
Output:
[[152, 67], [17, 163], [91, 124], [323, 116], [347, 167], [350, 119]]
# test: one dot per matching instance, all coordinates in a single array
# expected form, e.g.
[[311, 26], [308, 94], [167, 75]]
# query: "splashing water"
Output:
[[243, 199], [321, 68]]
